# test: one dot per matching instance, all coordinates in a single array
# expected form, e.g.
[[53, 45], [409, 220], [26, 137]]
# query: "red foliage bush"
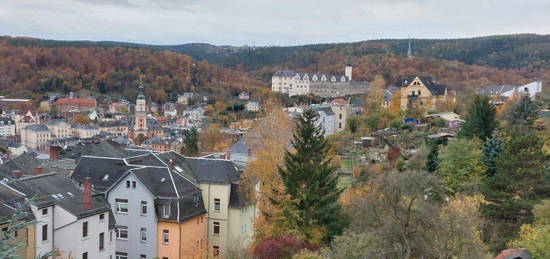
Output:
[[282, 247]]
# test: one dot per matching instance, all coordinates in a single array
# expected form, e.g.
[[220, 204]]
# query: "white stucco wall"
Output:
[[134, 220]]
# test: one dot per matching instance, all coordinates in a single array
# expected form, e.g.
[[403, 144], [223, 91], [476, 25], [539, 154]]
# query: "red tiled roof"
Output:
[[339, 101], [76, 101]]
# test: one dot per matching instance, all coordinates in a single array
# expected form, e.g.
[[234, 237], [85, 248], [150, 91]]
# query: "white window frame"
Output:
[[119, 230], [119, 208], [217, 204]]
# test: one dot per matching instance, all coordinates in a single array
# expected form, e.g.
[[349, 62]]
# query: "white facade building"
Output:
[[7, 127], [70, 222]]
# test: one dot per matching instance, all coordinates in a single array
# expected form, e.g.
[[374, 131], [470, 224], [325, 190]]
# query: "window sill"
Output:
[[122, 239]]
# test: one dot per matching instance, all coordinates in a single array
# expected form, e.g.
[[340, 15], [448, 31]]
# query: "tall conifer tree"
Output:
[[308, 177], [480, 120], [521, 179]]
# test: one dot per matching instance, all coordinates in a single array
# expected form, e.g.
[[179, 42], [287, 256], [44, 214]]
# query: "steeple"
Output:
[[141, 96]]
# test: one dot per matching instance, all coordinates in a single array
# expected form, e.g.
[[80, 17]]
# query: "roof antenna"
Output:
[[409, 52]]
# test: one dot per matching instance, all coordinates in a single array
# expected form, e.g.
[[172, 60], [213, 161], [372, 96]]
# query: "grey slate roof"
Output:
[[435, 89], [50, 189], [93, 148], [240, 147], [37, 127], [103, 171], [6, 121], [494, 89], [326, 110], [214, 170], [9, 201], [25, 163]]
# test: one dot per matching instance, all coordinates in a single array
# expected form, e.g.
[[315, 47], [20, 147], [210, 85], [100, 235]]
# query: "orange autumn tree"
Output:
[[268, 140]]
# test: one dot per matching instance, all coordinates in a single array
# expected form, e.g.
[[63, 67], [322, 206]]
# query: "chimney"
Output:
[[17, 174], [55, 152], [171, 164], [87, 193], [37, 170], [228, 155]]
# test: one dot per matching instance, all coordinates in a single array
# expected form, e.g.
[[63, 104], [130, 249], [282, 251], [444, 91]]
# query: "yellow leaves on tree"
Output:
[[81, 119], [375, 96], [268, 141]]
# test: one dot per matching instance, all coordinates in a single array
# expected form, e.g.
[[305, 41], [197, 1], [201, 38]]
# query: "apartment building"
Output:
[[70, 222]]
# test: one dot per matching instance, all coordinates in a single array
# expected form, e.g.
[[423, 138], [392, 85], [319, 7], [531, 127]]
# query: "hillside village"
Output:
[[207, 173]]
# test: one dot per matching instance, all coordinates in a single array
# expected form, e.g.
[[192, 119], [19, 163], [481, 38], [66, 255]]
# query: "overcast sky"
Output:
[[274, 22]]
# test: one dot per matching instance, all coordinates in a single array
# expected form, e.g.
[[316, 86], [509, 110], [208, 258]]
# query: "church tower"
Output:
[[348, 70], [140, 125]]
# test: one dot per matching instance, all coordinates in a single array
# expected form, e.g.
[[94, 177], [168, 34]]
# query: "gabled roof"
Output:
[[93, 148], [213, 170], [50, 189], [10, 200], [103, 171], [435, 89]]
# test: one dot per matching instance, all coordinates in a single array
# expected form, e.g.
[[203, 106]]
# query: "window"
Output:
[[217, 205], [164, 257], [45, 212], [121, 255], [340, 116], [339, 125], [216, 228], [166, 211], [102, 217], [122, 233], [216, 251], [165, 236], [142, 256], [85, 255], [101, 240], [133, 184], [127, 184], [84, 229], [143, 235], [110, 236], [143, 208], [121, 206], [45, 232]]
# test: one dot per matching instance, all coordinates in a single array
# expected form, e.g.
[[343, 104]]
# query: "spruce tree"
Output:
[[480, 120], [309, 181], [191, 147], [491, 151], [523, 113], [432, 160], [521, 179]]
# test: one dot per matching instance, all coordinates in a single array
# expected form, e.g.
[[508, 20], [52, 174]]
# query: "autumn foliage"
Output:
[[281, 248], [28, 71]]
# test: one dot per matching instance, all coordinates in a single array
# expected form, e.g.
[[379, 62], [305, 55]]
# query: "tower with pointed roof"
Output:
[[348, 70], [140, 125]]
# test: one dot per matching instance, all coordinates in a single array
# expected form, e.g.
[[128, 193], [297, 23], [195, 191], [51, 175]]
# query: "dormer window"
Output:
[[166, 211]]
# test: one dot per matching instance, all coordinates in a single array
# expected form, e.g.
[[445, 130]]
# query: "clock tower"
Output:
[[140, 125]]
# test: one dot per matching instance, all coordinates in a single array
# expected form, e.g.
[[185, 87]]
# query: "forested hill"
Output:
[[30, 68], [520, 51]]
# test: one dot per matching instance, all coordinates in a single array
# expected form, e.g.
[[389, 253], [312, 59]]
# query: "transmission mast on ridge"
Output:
[[409, 52]]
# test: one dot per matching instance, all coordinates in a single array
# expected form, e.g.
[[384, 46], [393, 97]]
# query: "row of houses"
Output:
[[125, 203]]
